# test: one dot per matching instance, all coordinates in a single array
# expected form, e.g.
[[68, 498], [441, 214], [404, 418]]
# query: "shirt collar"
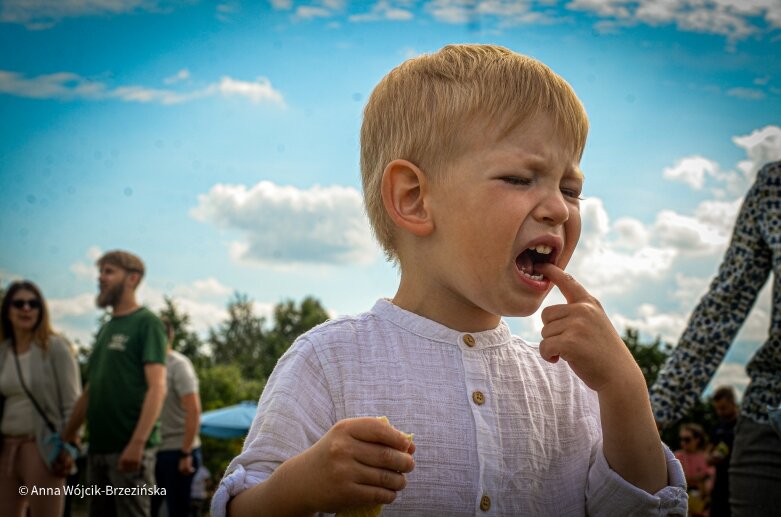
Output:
[[434, 331]]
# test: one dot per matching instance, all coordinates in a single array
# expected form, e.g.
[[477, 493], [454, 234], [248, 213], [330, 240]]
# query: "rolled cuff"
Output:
[[231, 485], [608, 494]]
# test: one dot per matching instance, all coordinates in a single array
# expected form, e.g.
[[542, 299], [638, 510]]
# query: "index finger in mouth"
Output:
[[569, 287]]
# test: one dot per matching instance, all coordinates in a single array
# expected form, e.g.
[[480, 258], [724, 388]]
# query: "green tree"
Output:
[[222, 385], [185, 340], [290, 321], [243, 355], [649, 356], [240, 339]]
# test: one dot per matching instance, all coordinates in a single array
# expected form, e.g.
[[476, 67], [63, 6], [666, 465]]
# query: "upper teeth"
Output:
[[541, 248]]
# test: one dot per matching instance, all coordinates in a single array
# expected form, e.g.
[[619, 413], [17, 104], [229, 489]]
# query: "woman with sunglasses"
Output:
[[694, 459], [39, 384]]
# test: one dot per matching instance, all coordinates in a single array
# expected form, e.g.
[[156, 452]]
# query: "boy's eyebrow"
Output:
[[540, 162]]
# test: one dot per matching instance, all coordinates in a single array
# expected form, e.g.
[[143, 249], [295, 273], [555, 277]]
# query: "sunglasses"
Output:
[[32, 304], [686, 439]]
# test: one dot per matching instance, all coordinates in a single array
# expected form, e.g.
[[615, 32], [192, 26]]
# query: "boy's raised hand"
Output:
[[358, 462], [581, 333]]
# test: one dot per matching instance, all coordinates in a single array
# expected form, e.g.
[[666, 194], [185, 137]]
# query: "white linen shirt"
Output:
[[498, 430]]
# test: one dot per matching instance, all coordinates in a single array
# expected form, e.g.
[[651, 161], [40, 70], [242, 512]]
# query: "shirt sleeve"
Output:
[[185, 380], [67, 376], [719, 314], [155, 341], [295, 410], [608, 494]]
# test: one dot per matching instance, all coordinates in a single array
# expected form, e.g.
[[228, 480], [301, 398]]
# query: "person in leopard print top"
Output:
[[754, 252]]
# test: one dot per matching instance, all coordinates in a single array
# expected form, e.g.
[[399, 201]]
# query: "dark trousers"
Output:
[[177, 486], [755, 471]]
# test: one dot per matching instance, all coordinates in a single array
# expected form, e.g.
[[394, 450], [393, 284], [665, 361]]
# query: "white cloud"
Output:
[[734, 19], [257, 92], [687, 234], [319, 9], [208, 287], [282, 5], [719, 217], [730, 374], [617, 266], [6, 278], [692, 171], [203, 300], [281, 225], [756, 326], [188, 299], [452, 12], [383, 10], [70, 86], [43, 14], [751, 94], [181, 75], [689, 289], [506, 12], [631, 234], [651, 322], [79, 305], [761, 146], [669, 323], [87, 269], [83, 270]]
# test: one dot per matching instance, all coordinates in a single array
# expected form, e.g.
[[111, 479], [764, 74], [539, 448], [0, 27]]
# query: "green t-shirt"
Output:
[[117, 383]]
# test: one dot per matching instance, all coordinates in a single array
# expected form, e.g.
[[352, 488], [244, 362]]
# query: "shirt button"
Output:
[[485, 503], [469, 340], [478, 397]]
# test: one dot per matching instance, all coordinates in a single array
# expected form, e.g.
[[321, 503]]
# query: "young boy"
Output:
[[469, 159]]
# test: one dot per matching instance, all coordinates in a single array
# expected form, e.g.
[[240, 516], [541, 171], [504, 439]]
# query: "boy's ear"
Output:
[[404, 194]]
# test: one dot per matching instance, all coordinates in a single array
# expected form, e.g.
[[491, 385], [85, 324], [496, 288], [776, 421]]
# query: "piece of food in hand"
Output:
[[370, 511]]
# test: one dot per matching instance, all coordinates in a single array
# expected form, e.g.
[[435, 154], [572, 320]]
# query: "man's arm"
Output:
[[130, 459], [192, 419], [76, 420]]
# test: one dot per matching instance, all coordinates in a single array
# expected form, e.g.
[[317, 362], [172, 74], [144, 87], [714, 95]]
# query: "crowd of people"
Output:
[[500, 425], [140, 401]]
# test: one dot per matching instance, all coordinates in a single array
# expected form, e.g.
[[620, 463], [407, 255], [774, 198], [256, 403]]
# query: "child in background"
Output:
[[470, 166], [699, 475]]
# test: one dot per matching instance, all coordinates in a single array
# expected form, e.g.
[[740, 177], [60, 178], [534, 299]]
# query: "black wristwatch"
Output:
[[184, 454]]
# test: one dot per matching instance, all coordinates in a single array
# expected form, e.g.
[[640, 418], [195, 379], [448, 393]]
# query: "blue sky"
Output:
[[219, 141]]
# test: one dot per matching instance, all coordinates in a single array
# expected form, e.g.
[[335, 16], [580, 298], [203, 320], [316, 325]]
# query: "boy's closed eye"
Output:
[[520, 181], [572, 193], [516, 180]]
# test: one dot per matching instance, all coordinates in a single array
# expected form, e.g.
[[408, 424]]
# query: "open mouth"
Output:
[[537, 254]]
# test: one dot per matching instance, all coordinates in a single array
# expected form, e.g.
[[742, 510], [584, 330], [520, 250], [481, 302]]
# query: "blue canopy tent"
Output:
[[229, 422]]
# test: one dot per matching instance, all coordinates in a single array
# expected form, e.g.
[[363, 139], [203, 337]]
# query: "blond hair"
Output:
[[422, 109], [123, 259]]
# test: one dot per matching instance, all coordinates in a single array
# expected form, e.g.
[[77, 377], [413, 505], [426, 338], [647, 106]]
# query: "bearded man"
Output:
[[126, 385]]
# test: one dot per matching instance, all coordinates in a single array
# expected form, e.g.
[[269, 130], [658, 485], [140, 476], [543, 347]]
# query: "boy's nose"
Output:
[[552, 209]]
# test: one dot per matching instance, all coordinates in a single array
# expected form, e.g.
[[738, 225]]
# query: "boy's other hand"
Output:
[[581, 333], [358, 462]]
